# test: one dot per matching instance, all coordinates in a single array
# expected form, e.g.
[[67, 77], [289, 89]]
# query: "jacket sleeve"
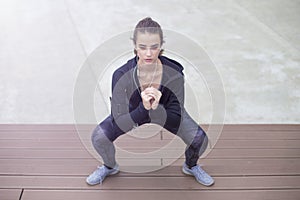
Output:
[[123, 119]]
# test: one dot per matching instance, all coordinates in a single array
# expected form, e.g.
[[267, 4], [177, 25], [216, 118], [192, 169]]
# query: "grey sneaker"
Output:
[[100, 174], [200, 175]]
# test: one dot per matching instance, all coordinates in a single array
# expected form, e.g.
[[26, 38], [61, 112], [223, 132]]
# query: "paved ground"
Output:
[[254, 45]]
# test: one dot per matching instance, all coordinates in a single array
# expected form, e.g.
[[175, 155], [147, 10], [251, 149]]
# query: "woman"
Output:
[[148, 89]]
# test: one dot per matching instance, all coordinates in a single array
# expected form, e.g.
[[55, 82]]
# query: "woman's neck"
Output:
[[147, 68], [150, 75]]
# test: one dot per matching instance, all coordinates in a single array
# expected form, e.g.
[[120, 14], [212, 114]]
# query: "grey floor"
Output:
[[253, 45]]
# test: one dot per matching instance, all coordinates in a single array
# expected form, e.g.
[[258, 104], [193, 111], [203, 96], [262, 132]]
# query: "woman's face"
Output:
[[148, 47]]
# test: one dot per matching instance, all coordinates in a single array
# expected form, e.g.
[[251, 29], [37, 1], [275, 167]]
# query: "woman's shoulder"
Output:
[[171, 63], [129, 65]]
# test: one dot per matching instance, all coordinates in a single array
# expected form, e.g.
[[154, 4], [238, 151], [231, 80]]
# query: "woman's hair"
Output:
[[150, 26]]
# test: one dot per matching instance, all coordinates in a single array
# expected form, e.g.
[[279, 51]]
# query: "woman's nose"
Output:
[[148, 52]]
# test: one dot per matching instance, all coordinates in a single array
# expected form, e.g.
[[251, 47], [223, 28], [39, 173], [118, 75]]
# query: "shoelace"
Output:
[[99, 172], [201, 172]]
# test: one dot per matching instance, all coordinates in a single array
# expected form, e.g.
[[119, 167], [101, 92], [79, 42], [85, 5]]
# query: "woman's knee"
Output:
[[99, 137]]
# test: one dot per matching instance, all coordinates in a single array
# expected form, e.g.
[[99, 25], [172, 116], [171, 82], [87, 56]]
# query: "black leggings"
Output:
[[190, 132]]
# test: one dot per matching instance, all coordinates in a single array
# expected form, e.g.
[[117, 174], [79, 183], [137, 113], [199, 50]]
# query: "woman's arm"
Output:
[[124, 119]]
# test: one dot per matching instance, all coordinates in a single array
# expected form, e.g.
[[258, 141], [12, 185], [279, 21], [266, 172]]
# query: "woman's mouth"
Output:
[[148, 60]]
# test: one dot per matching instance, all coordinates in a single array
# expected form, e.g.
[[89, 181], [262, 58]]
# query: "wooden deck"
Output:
[[49, 162]]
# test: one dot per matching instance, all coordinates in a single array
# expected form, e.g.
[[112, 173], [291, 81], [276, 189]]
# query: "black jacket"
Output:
[[127, 109]]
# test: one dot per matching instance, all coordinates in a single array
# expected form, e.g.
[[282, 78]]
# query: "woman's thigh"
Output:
[[107, 128]]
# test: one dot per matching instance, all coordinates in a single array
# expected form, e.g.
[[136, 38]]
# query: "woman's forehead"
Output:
[[148, 38]]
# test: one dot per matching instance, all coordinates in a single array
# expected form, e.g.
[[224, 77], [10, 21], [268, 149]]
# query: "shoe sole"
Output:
[[115, 172]]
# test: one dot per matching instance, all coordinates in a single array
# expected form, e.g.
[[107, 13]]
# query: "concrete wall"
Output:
[[254, 45]]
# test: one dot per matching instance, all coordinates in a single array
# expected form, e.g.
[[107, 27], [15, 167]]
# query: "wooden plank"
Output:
[[225, 135], [10, 194], [247, 142], [64, 166], [236, 144], [252, 127], [46, 144], [226, 127], [145, 143], [140, 153], [151, 183], [28, 153], [260, 135], [217, 167], [258, 144], [252, 135], [160, 195], [232, 167], [60, 127], [75, 143], [39, 127], [32, 134], [254, 153], [36, 153], [70, 136]]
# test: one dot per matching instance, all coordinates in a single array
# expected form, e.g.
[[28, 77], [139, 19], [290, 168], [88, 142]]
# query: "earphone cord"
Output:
[[133, 76]]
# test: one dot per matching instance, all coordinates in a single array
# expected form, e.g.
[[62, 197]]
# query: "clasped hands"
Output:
[[151, 97]]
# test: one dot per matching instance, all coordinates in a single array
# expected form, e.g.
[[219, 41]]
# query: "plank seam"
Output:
[[21, 195]]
